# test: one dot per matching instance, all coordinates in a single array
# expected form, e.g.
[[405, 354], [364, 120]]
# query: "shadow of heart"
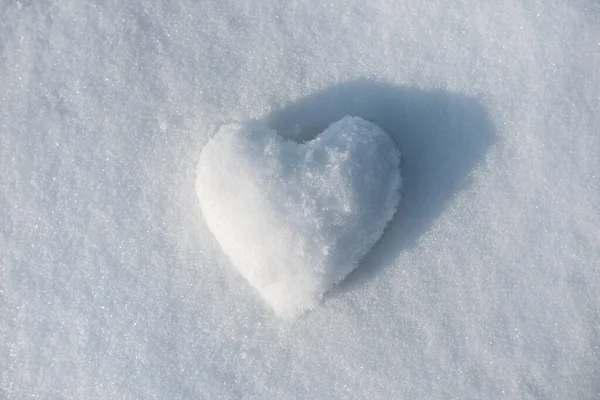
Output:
[[442, 136]]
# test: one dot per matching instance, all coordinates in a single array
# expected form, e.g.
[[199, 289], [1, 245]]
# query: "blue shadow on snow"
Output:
[[442, 137]]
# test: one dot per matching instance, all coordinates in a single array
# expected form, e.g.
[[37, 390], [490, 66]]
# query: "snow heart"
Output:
[[295, 219]]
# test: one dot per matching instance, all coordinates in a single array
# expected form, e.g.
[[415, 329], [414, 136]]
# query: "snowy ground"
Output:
[[485, 286]]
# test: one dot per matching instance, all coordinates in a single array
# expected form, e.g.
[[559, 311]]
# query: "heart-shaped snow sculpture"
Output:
[[295, 219]]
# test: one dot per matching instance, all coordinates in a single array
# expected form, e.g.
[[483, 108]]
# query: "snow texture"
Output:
[[485, 284], [295, 219]]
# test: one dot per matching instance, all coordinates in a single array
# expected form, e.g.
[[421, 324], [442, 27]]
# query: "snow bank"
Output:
[[295, 219]]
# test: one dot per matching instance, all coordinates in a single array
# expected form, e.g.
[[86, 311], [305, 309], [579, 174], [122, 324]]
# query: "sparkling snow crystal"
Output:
[[295, 219]]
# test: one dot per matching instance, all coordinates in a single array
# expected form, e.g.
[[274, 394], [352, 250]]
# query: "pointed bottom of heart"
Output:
[[295, 219]]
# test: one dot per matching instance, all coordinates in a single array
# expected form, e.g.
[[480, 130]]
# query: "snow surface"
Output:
[[295, 219], [485, 286]]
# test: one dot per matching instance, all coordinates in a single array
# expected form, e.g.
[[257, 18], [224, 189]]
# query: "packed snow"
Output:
[[485, 284], [295, 219]]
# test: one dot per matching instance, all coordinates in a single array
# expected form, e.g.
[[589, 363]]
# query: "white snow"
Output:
[[295, 219], [485, 285]]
